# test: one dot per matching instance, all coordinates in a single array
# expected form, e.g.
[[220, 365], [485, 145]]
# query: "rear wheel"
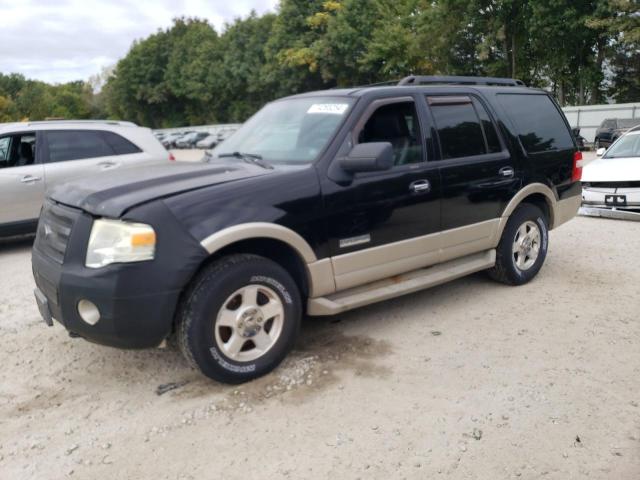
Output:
[[239, 319], [523, 246]]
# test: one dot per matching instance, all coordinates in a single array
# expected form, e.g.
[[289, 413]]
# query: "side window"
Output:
[[67, 145], [398, 124], [538, 122], [119, 144], [458, 125], [18, 150]]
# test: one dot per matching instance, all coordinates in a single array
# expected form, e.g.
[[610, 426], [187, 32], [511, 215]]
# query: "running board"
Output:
[[400, 284]]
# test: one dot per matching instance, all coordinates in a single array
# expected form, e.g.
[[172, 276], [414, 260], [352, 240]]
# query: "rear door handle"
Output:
[[107, 165], [507, 172], [30, 179], [420, 186]]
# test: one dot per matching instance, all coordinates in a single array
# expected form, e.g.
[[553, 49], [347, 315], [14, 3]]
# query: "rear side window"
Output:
[[464, 127], [119, 144], [538, 122], [65, 145]]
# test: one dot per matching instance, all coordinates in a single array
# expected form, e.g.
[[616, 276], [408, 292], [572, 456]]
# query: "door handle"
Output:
[[30, 179], [107, 165], [507, 172], [420, 186]]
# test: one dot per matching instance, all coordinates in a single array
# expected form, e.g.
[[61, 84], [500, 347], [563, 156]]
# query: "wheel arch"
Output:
[[280, 244], [537, 194]]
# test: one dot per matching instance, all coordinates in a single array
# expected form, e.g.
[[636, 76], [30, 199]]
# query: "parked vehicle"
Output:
[[209, 141], [36, 156], [580, 140], [613, 180], [320, 203], [169, 141], [611, 129], [190, 140]]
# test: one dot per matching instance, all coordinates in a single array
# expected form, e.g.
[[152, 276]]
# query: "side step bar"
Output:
[[400, 284]]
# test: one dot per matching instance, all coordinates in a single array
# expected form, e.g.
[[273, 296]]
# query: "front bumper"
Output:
[[136, 301], [600, 197], [137, 321]]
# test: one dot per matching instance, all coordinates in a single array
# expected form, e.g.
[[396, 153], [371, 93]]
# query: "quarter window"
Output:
[[120, 145], [538, 122], [396, 123]]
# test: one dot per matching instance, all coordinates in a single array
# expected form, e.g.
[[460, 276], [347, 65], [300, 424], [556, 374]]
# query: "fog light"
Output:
[[88, 312]]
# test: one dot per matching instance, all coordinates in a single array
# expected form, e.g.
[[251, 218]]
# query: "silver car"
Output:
[[35, 156]]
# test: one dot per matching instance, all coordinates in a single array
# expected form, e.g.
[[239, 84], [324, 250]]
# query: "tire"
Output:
[[596, 144], [517, 261], [232, 303]]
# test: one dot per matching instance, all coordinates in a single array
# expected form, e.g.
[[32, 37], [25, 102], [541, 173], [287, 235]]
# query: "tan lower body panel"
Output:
[[365, 266], [410, 282], [566, 209]]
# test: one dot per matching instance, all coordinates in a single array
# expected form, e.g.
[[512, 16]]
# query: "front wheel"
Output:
[[239, 319], [523, 246]]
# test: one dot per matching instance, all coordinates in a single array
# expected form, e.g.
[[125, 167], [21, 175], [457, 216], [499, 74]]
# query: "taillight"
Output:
[[173, 159], [576, 174]]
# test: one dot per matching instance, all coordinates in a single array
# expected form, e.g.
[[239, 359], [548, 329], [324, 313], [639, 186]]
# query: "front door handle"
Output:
[[30, 179], [506, 172], [420, 186]]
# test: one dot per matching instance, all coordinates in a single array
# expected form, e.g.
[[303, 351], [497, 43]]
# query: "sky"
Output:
[[63, 40]]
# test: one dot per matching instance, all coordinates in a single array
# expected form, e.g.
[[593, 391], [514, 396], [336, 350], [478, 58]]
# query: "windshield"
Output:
[[290, 131], [627, 146]]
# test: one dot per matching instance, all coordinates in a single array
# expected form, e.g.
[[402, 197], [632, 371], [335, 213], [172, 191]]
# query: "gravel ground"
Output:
[[469, 380]]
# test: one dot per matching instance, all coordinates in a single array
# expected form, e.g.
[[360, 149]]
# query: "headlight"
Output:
[[115, 241]]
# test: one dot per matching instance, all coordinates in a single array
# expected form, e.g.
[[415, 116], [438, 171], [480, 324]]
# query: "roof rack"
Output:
[[108, 122], [455, 80]]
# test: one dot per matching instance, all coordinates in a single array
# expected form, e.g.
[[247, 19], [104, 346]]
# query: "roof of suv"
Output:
[[55, 124], [390, 90]]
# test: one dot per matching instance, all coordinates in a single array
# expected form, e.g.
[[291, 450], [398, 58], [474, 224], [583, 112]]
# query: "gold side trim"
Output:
[[414, 281]]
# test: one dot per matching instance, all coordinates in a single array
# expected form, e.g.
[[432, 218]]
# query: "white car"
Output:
[[34, 156], [613, 180]]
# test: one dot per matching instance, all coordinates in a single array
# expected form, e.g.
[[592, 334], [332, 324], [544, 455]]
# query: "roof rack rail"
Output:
[[108, 122], [456, 80]]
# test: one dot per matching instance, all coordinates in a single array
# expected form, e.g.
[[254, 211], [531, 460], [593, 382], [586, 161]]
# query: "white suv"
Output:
[[35, 156]]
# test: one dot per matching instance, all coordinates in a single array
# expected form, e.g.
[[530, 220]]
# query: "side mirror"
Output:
[[600, 151], [368, 157]]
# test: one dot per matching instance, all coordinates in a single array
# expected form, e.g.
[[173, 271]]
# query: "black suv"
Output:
[[320, 203], [611, 129]]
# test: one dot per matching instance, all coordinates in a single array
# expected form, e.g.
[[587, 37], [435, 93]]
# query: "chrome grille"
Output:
[[54, 230]]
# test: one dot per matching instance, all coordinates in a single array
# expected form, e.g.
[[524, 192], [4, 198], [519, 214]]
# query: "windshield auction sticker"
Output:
[[328, 108]]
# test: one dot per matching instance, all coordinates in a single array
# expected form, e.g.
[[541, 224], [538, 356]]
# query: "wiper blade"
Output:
[[248, 157]]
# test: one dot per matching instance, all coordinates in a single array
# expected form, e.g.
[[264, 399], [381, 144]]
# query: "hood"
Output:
[[111, 194], [626, 169]]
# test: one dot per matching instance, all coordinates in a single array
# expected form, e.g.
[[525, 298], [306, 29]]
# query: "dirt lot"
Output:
[[468, 380]]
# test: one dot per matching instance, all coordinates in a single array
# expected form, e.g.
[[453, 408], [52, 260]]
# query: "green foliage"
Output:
[[584, 51], [22, 99]]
